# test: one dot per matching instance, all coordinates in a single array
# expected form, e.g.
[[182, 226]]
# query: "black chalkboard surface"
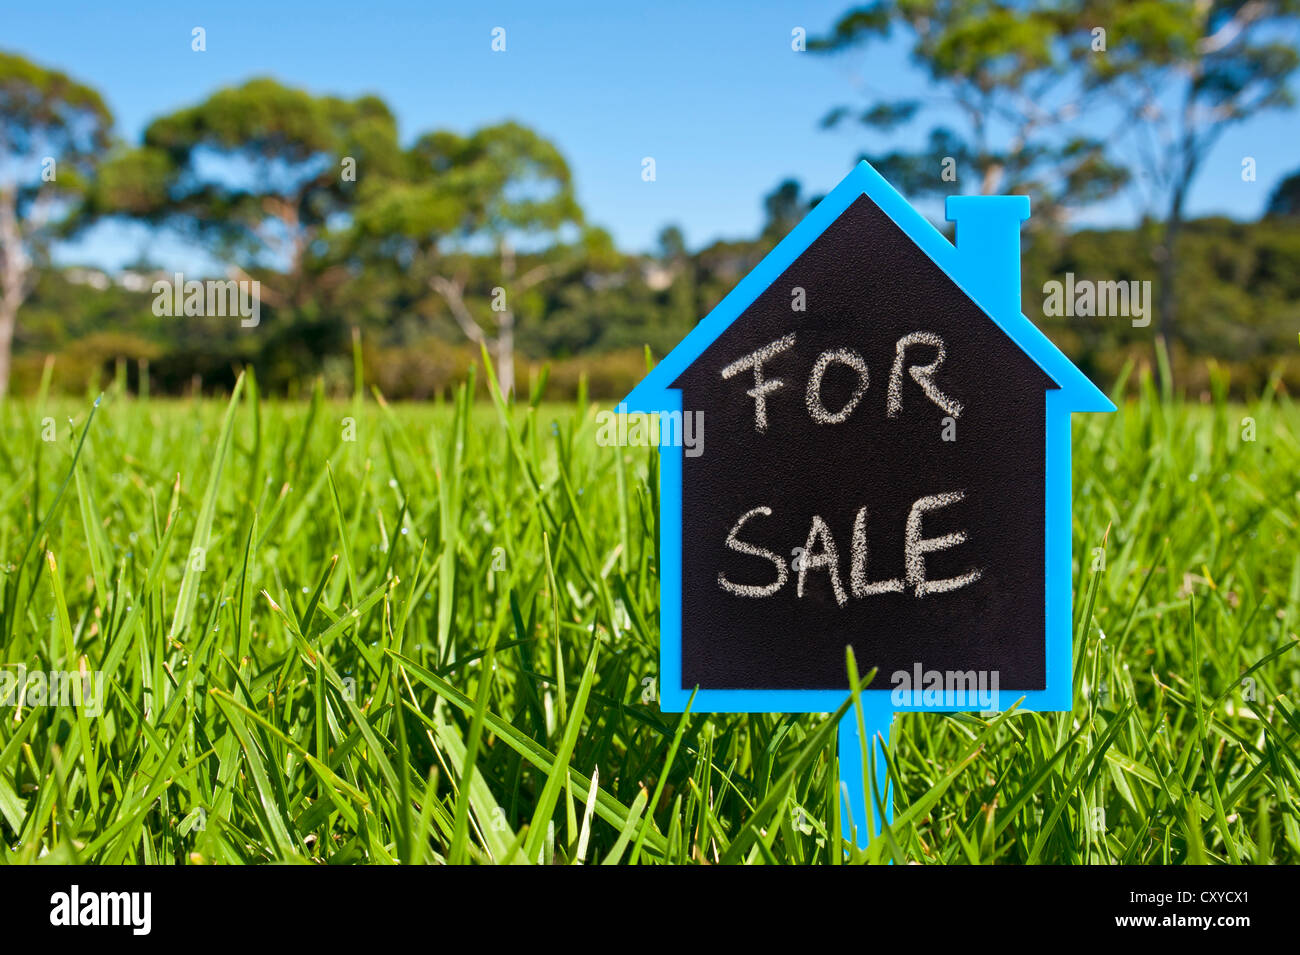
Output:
[[872, 475]]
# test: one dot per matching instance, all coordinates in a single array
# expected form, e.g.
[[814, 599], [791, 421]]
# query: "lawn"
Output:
[[310, 620]]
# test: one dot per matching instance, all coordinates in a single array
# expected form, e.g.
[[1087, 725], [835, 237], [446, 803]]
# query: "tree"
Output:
[[1006, 70], [52, 131], [256, 174], [1285, 200], [784, 207], [672, 245], [491, 190], [1183, 71]]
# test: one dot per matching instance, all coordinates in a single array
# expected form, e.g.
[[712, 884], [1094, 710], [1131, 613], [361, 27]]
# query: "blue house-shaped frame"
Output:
[[985, 265]]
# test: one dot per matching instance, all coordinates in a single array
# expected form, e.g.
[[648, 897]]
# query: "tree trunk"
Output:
[[506, 323], [13, 277], [1166, 300], [8, 318], [506, 352]]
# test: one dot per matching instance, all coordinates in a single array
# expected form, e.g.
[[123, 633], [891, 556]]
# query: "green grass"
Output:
[[307, 641]]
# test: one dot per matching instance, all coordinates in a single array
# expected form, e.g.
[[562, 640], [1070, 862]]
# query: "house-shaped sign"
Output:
[[885, 464]]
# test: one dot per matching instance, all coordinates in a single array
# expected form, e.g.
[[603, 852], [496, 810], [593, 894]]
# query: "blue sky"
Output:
[[715, 94]]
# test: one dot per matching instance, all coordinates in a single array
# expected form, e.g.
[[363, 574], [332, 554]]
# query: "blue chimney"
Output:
[[988, 248]]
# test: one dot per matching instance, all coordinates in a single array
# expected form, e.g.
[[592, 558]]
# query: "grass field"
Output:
[[312, 618]]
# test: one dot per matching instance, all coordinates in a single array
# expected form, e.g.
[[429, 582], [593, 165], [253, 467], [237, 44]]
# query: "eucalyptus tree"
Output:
[[501, 195], [258, 175], [54, 130]]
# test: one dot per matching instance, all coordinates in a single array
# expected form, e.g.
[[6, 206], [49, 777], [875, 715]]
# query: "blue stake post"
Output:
[[859, 812]]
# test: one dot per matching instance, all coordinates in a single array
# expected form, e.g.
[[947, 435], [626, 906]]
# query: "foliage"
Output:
[[255, 171], [1009, 70], [1238, 288], [463, 240], [1170, 76], [491, 189], [1285, 199]]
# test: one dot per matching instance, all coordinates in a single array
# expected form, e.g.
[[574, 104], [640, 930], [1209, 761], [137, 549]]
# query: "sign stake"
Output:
[[859, 806]]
